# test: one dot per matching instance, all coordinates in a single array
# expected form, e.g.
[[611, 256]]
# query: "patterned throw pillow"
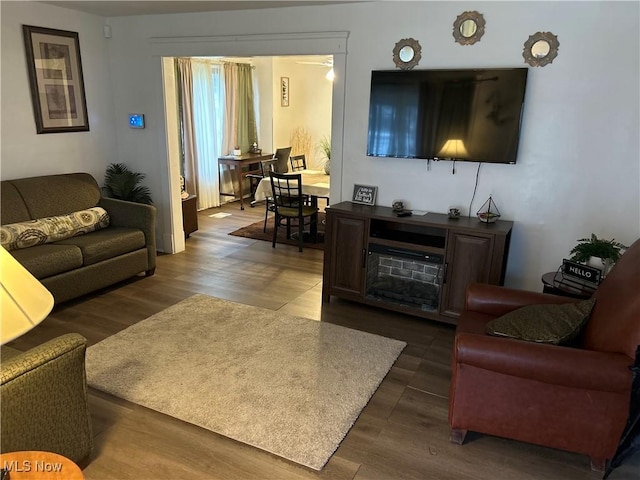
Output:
[[544, 323], [51, 229]]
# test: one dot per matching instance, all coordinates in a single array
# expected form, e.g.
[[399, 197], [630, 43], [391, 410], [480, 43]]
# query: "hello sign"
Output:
[[581, 271]]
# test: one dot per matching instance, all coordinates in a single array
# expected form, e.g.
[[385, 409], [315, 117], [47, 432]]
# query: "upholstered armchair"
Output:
[[574, 398], [43, 399]]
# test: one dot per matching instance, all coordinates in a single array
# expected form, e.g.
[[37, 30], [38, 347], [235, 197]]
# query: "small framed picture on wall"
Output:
[[284, 91]]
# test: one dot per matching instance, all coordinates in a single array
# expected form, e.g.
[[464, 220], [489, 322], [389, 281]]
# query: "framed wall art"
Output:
[[284, 91], [364, 194], [55, 78]]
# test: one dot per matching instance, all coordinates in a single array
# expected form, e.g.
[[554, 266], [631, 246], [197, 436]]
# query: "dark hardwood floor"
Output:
[[401, 434]]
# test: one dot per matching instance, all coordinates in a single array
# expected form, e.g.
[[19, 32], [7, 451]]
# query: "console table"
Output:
[[450, 253], [249, 160], [189, 215]]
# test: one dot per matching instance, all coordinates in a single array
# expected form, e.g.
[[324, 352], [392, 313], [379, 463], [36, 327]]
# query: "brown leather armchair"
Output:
[[571, 398]]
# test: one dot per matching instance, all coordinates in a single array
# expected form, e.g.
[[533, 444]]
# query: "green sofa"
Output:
[[121, 246], [43, 399]]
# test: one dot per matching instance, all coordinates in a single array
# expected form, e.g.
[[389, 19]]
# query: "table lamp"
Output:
[[24, 301], [454, 148]]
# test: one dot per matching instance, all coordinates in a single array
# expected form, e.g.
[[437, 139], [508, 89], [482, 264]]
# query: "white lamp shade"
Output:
[[454, 148], [24, 301], [330, 75]]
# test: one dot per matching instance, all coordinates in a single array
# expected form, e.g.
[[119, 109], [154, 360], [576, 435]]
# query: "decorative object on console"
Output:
[[540, 49], [254, 148], [579, 272], [55, 78], [407, 53], [488, 212], [597, 252], [183, 189], [454, 213], [468, 28]]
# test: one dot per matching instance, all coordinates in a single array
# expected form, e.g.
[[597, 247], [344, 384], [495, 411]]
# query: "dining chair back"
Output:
[[282, 155], [289, 203], [267, 167], [298, 162]]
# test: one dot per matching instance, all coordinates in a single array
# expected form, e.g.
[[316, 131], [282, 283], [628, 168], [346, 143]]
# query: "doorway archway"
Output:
[[312, 43]]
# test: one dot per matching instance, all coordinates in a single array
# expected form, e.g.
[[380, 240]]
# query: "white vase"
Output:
[[603, 264]]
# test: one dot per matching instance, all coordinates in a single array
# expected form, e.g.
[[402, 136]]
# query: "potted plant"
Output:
[[325, 146], [606, 252], [123, 184]]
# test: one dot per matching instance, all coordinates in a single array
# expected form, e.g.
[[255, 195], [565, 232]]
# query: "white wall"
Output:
[[309, 107], [578, 170], [23, 153]]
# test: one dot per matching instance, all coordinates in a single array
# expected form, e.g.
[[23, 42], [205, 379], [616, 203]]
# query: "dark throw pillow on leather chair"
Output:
[[543, 323]]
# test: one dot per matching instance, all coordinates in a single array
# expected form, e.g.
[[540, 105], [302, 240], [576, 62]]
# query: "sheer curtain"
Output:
[[207, 116], [217, 114]]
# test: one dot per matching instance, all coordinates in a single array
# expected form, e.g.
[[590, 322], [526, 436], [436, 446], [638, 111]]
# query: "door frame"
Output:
[[252, 45]]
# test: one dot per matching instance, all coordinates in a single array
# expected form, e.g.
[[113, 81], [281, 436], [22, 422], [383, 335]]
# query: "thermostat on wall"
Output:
[[136, 120]]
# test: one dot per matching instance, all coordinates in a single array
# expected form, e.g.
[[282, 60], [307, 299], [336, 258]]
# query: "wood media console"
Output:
[[420, 265]]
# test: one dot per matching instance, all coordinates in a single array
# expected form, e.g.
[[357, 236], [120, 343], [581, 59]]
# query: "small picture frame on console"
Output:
[[364, 194]]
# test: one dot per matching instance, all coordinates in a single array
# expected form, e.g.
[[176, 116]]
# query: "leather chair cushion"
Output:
[[543, 323]]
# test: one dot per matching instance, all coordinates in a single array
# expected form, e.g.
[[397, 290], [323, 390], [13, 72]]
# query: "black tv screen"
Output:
[[472, 114]]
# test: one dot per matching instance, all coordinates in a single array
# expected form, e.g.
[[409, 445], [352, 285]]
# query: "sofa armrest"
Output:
[[43, 399], [495, 300], [553, 364], [134, 215]]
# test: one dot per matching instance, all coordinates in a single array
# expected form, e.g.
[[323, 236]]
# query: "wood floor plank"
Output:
[[401, 434]]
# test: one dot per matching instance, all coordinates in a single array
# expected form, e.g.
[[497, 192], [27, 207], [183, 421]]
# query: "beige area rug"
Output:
[[288, 385]]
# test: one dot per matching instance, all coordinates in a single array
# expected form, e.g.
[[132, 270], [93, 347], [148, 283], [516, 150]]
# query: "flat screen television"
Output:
[[469, 115]]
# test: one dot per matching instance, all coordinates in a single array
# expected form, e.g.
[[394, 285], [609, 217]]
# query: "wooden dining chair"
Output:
[[290, 204], [266, 166], [298, 162]]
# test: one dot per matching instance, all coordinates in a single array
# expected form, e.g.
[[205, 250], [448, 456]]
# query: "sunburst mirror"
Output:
[[468, 28], [407, 53], [540, 49]]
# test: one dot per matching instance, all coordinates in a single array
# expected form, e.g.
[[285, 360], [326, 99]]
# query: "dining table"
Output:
[[315, 183], [242, 165]]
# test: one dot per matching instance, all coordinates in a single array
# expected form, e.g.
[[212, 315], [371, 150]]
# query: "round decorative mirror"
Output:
[[468, 28], [540, 49], [407, 53]]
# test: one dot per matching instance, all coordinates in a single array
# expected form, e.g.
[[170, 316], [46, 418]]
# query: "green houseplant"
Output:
[[608, 251], [325, 146], [123, 184]]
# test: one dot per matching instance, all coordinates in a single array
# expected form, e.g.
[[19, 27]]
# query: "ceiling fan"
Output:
[[327, 63]]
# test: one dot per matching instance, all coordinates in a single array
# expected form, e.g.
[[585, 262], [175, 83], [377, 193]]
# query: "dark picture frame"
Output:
[[54, 65], [364, 194]]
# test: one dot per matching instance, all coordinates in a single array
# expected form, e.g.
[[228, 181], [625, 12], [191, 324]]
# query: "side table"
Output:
[[190, 215], [552, 284]]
